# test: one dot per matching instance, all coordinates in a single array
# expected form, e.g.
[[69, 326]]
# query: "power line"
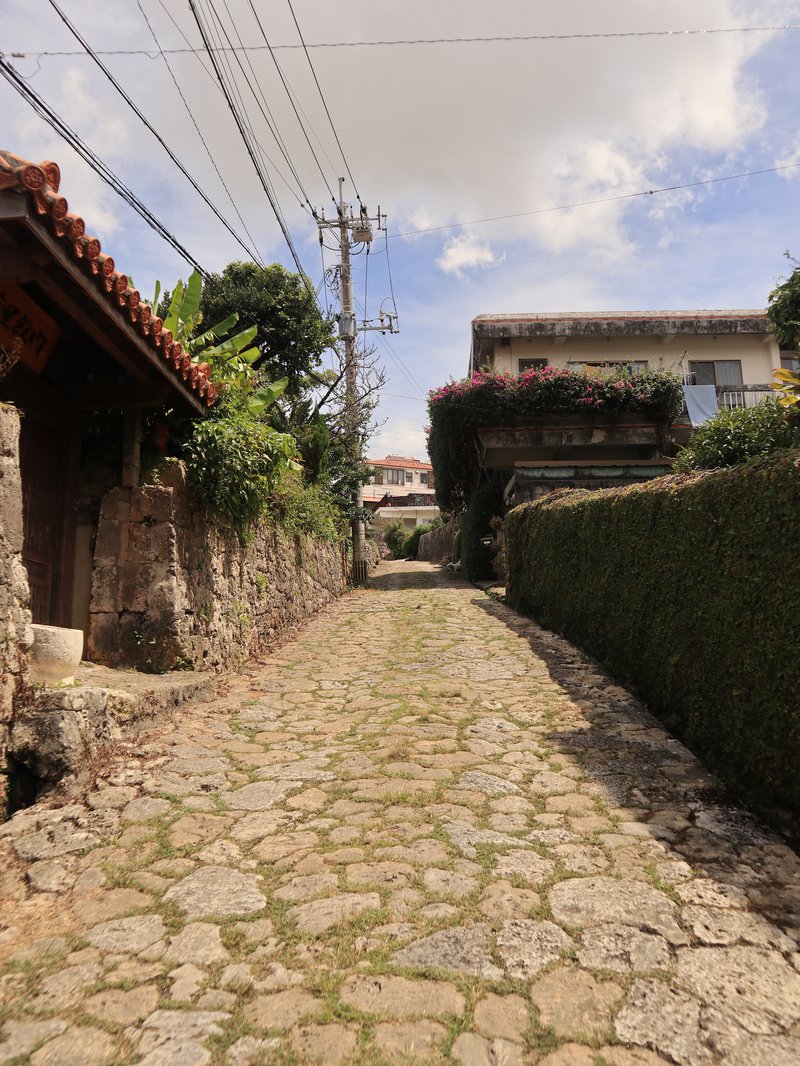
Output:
[[262, 104], [291, 100], [199, 54], [405, 371], [406, 42], [150, 127], [262, 178], [600, 200], [216, 30], [389, 264], [43, 109], [322, 98], [197, 127], [405, 418]]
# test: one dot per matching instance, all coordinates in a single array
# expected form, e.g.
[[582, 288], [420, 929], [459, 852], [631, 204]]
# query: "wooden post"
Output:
[[131, 446]]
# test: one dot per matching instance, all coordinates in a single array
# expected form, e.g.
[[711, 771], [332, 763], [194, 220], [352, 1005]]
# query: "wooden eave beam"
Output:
[[97, 395]]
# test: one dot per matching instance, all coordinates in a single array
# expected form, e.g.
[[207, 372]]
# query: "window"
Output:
[[790, 361], [716, 371], [395, 477], [423, 477], [409, 477], [531, 364], [636, 365], [377, 476]]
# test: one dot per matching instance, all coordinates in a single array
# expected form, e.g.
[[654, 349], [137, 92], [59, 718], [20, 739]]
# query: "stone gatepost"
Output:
[[16, 635]]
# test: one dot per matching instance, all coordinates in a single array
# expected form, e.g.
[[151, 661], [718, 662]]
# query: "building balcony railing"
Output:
[[730, 396]]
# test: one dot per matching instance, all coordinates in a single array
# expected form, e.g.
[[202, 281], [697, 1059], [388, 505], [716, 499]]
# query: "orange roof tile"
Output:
[[41, 182], [400, 462]]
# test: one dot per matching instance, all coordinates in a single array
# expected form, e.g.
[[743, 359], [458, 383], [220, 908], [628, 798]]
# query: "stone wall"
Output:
[[16, 635], [436, 546], [374, 555], [171, 590]]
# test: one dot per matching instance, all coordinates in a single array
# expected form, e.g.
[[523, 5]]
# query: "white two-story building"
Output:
[[401, 488], [732, 349]]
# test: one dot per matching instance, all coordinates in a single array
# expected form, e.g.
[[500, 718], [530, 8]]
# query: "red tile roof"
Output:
[[400, 462], [41, 182]]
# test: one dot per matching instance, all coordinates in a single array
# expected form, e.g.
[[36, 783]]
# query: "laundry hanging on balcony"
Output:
[[701, 403]]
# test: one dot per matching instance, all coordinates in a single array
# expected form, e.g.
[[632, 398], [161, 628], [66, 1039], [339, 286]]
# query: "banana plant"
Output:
[[230, 355], [184, 315], [788, 387]]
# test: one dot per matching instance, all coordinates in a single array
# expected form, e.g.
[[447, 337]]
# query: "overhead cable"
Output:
[[262, 104], [405, 42], [238, 109], [600, 200], [136, 110], [404, 370], [291, 99], [264, 183], [189, 111], [322, 98], [199, 55], [46, 112]]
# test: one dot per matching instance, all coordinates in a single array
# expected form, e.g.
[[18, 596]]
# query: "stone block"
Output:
[[116, 505], [106, 596], [104, 638], [9, 430], [111, 545], [11, 502], [48, 741], [153, 502]]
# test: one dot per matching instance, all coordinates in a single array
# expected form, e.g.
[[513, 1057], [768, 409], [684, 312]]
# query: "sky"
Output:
[[439, 134]]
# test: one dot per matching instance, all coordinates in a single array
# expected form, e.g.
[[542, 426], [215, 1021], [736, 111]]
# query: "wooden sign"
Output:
[[25, 328]]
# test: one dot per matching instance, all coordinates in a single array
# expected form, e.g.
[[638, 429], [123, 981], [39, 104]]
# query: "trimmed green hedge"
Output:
[[476, 558], [689, 589]]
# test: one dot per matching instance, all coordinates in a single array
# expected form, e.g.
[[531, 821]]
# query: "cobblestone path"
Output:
[[426, 831]]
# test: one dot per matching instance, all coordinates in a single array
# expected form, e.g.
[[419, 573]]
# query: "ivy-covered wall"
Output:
[[486, 399], [688, 588]]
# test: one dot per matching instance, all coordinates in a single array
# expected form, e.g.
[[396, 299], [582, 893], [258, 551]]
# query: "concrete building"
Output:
[[401, 488], [733, 350]]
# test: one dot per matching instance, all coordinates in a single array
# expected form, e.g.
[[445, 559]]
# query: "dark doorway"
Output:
[[44, 462]]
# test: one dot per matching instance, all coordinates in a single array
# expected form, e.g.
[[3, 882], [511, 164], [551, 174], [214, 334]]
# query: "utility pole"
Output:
[[357, 229]]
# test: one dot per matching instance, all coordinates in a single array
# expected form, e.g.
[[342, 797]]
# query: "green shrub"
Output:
[[395, 536], [233, 463], [476, 558], [686, 587], [735, 436], [411, 543], [297, 507]]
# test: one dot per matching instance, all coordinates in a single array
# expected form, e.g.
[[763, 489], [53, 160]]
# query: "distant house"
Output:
[[401, 487], [733, 350]]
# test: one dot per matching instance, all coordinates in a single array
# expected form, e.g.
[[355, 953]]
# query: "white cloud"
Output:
[[466, 252], [102, 127], [435, 133]]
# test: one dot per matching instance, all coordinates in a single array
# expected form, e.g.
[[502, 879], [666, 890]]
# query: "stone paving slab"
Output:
[[426, 831]]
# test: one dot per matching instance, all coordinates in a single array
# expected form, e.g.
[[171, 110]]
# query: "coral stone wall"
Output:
[[171, 590], [438, 544], [16, 635]]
